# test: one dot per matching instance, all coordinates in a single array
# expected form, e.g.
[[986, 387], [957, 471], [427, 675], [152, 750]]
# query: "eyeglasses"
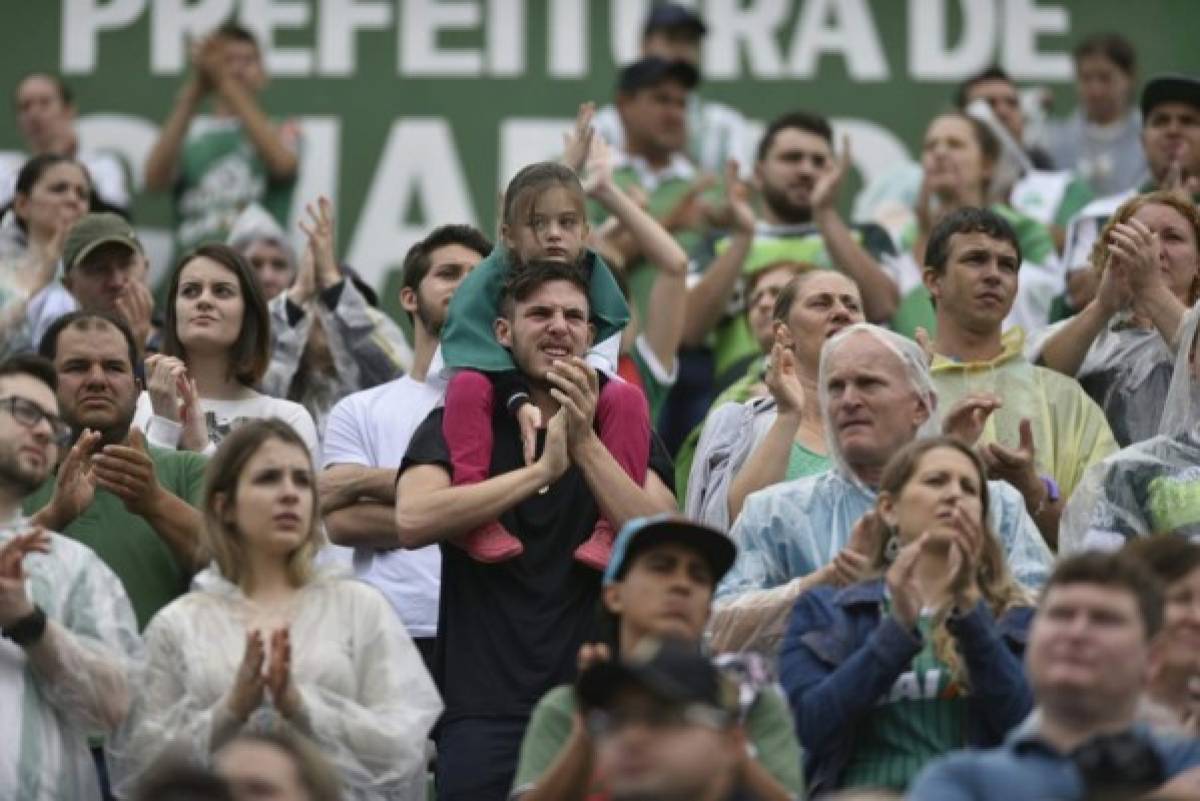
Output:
[[601, 724], [29, 414]]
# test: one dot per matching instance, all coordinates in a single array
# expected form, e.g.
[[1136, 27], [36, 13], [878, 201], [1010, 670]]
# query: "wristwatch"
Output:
[[28, 630]]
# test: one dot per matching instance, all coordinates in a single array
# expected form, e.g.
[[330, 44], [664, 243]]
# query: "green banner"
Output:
[[414, 112]]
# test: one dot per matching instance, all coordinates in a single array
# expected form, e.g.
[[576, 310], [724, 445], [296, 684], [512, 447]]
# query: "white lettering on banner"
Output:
[[83, 22], [174, 23], [1024, 21], [931, 56], [419, 163], [506, 37], [263, 18], [850, 33], [625, 29], [336, 34], [568, 53], [735, 27], [420, 22], [320, 165], [524, 140]]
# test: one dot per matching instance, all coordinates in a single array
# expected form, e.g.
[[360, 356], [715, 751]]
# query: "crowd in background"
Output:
[[680, 484]]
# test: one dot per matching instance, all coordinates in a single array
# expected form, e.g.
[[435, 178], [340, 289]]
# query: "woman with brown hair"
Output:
[[924, 657], [267, 641], [215, 351], [1121, 347]]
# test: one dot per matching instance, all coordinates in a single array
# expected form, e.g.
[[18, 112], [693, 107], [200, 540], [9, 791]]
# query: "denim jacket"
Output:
[[841, 654]]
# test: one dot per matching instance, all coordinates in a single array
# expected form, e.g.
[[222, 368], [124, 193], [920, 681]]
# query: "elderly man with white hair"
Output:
[[876, 396]]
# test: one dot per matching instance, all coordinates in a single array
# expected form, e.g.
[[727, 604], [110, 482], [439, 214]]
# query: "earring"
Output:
[[891, 548]]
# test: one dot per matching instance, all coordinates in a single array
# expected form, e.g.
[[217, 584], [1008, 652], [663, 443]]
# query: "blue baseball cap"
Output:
[[642, 532]]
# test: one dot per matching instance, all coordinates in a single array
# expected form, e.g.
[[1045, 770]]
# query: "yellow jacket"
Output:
[[1070, 431]]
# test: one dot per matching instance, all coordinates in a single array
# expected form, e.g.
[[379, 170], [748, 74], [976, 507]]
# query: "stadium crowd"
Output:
[[678, 486]]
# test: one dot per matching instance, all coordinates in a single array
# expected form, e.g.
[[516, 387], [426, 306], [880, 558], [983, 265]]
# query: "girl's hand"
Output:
[[162, 379], [902, 584], [278, 679], [599, 177], [247, 692], [1137, 248], [194, 436], [319, 228], [577, 142], [783, 382]]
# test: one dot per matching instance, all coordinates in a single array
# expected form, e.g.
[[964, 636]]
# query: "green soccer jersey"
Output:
[[220, 174], [922, 717]]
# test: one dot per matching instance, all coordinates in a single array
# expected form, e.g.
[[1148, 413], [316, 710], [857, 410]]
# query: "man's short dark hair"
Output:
[[32, 365], [419, 259], [992, 73], [174, 777], [1112, 46], [805, 121], [87, 320], [525, 280], [1118, 571], [968, 220], [64, 91]]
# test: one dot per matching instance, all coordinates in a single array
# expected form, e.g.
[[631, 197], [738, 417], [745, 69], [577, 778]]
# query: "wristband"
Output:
[[1052, 495], [28, 630]]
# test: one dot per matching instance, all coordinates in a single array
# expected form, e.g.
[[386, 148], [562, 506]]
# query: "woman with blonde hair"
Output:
[[267, 641], [1121, 346], [925, 656]]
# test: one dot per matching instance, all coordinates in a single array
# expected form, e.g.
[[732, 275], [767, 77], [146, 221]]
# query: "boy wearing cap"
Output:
[[715, 132], [659, 583]]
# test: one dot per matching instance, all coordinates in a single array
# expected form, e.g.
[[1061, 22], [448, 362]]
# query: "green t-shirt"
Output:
[[733, 341], [220, 174], [768, 727], [921, 718], [126, 542], [916, 309], [803, 462]]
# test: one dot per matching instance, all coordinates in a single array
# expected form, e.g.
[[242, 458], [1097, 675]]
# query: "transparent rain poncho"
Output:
[[368, 701], [1152, 487], [788, 531], [1070, 432], [1127, 370]]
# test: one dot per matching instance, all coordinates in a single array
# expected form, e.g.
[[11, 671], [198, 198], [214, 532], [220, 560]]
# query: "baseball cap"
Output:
[[1170, 89], [653, 70], [671, 670], [642, 532], [94, 230], [671, 16]]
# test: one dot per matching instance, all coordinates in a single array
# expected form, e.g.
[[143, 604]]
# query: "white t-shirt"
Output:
[[225, 415], [373, 428]]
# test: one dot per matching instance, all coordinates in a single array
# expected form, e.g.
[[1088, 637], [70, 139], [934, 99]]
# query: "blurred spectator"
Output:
[[1171, 143], [369, 431], [174, 778], [508, 632], [1172, 701], [1036, 429], [52, 193], [277, 765], [1121, 346], [327, 337], [715, 132], [995, 87], [215, 350], [959, 158], [216, 166], [67, 633], [1101, 140], [129, 501], [665, 726], [1087, 660], [46, 113], [748, 446], [928, 635], [265, 640], [659, 583], [876, 396]]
